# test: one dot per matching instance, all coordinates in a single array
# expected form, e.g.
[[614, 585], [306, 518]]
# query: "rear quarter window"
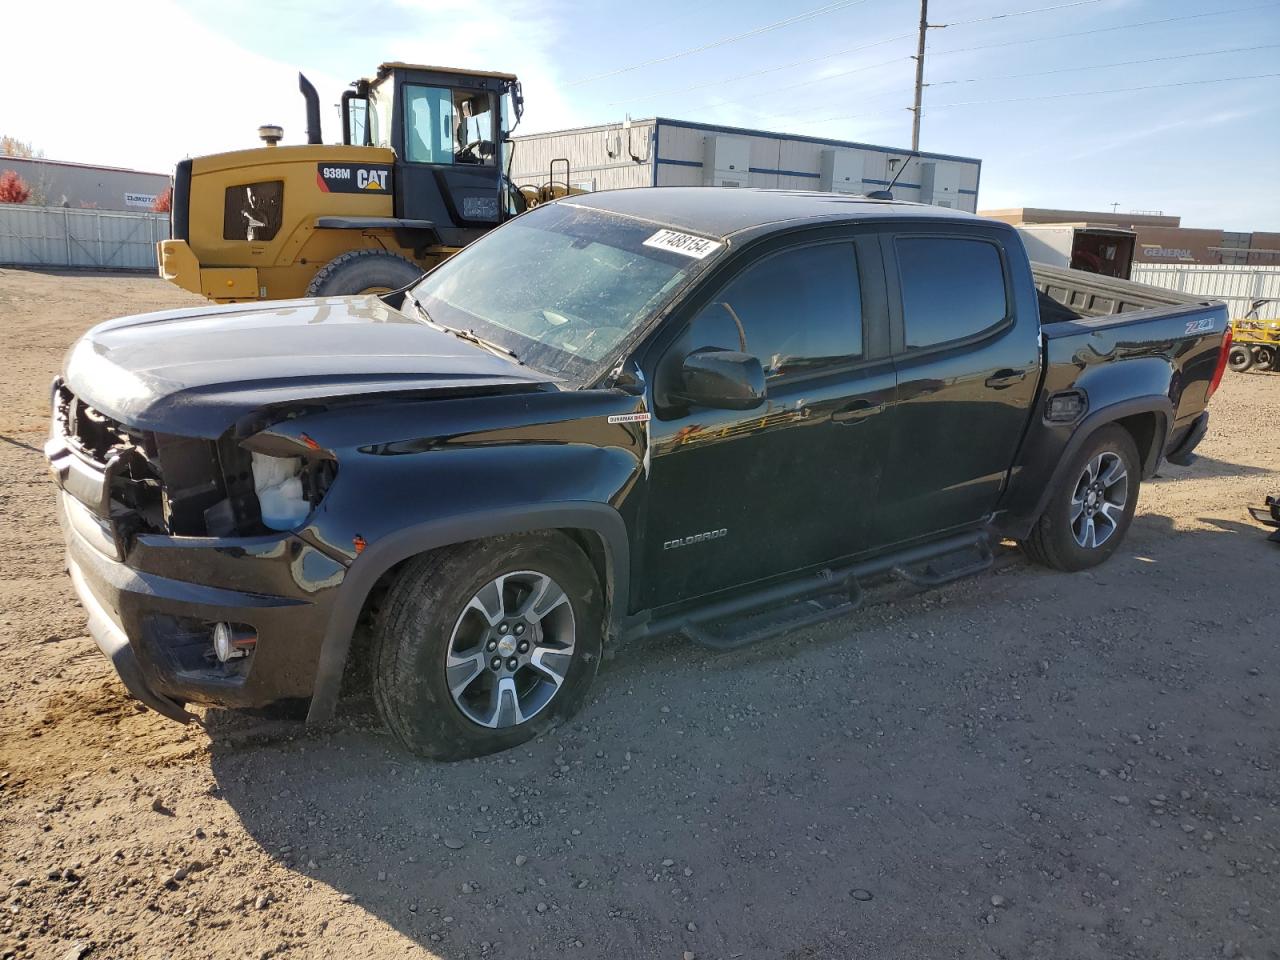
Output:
[[952, 289]]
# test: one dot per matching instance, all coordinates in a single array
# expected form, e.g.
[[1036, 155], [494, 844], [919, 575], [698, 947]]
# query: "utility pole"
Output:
[[915, 111]]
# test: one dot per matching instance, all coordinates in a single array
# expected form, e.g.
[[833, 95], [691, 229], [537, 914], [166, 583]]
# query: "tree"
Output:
[[13, 147], [13, 189], [164, 202]]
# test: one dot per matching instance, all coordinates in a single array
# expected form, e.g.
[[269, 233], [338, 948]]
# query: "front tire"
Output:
[[485, 645], [1089, 514]]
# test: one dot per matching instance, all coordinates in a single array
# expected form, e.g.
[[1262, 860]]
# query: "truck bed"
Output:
[[1073, 294]]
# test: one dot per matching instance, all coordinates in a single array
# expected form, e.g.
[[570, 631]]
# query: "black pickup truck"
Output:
[[700, 411]]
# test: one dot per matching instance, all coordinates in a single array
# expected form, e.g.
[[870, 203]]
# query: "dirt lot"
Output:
[[1022, 765]]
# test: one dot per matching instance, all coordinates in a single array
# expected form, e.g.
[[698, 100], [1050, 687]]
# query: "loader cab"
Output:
[[448, 129]]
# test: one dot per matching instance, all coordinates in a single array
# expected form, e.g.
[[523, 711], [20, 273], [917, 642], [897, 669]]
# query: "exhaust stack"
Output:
[[313, 109]]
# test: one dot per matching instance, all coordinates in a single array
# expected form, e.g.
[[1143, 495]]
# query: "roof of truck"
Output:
[[722, 211]]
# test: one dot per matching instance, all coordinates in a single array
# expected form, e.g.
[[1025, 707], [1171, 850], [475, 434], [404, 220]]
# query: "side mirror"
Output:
[[722, 379]]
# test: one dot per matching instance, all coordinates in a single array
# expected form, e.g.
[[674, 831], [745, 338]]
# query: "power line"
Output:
[[723, 41], [1094, 93], [1104, 66], [1121, 26], [1058, 96], [1017, 13], [721, 81]]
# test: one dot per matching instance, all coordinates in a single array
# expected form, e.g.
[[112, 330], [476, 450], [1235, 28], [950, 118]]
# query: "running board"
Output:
[[765, 625], [948, 567], [737, 620]]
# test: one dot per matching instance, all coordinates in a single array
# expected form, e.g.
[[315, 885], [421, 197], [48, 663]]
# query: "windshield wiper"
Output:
[[469, 335]]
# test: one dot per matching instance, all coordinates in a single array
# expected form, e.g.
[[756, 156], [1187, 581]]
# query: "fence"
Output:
[[65, 237], [1239, 286]]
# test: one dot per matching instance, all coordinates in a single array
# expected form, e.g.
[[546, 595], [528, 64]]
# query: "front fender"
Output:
[[381, 556]]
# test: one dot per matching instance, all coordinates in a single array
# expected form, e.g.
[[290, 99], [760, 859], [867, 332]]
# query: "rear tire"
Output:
[[1089, 514], [1240, 358], [363, 271], [435, 648]]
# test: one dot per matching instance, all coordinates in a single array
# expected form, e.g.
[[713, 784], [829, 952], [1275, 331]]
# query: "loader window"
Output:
[[428, 124], [252, 211], [448, 126], [473, 132]]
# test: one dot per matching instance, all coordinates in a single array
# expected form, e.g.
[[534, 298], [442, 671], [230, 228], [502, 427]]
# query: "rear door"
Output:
[[966, 347], [741, 496]]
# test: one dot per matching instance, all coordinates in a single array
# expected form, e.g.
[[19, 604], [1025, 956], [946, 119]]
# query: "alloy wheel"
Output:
[[511, 649], [1099, 500]]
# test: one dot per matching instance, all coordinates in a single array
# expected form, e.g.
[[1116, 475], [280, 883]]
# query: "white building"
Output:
[[663, 152]]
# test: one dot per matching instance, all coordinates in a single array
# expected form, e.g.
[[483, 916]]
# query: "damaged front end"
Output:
[[186, 554], [148, 482]]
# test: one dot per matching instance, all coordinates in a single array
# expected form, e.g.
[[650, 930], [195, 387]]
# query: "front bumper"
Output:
[[179, 264], [152, 613]]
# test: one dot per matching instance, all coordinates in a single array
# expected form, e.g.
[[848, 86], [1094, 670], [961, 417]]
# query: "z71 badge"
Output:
[[354, 177], [1200, 326]]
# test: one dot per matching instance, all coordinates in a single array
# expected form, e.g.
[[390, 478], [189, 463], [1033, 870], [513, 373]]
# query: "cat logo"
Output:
[[353, 178]]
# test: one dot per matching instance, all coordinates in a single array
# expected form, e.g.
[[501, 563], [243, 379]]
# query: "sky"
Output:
[[1091, 104]]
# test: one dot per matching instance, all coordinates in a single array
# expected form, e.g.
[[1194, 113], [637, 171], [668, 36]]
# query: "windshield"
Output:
[[561, 286]]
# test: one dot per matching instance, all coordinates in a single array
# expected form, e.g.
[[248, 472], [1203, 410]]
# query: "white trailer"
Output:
[[1081, 246]]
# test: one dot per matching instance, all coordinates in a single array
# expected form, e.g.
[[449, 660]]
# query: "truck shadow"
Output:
[[1207, 468], [728, 804]]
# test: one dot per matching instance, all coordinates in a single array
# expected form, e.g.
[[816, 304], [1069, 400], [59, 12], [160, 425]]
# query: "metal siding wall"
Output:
[[673, 176], [777, 161], [98, 187], [62, 237], [588, 153], [1239, 286]]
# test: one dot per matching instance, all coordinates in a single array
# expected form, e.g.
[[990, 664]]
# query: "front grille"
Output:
[[93, 433], [163, 483], [135, 492]]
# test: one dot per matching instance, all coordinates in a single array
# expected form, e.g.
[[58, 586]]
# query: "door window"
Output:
[[449, 126], [428, 124], [796, 311], [952, 289]]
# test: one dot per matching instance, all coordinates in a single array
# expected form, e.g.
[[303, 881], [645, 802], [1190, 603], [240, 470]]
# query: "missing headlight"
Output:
[[281, 496]]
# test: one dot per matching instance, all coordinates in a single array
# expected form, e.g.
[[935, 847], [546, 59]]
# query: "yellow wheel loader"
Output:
[[419, 174], [1255, 342]]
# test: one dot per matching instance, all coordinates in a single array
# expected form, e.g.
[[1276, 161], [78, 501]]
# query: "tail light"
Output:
[[1222, 364]]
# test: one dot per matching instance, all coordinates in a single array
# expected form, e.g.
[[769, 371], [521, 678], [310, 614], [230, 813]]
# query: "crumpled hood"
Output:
[[196, 372]]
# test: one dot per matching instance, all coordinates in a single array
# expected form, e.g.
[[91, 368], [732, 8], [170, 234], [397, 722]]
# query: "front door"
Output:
[[741, 496]]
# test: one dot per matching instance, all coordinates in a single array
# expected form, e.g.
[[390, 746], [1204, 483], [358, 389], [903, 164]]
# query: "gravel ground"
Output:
[[1023, 765]]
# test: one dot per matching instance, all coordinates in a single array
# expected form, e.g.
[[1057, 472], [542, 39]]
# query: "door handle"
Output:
[[1005, 378], [857, 411]]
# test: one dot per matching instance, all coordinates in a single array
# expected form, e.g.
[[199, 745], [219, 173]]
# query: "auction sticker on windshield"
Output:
[[686, 243]]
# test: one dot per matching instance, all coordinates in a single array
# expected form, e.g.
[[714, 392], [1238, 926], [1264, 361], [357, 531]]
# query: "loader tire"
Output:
[[363, 271]]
